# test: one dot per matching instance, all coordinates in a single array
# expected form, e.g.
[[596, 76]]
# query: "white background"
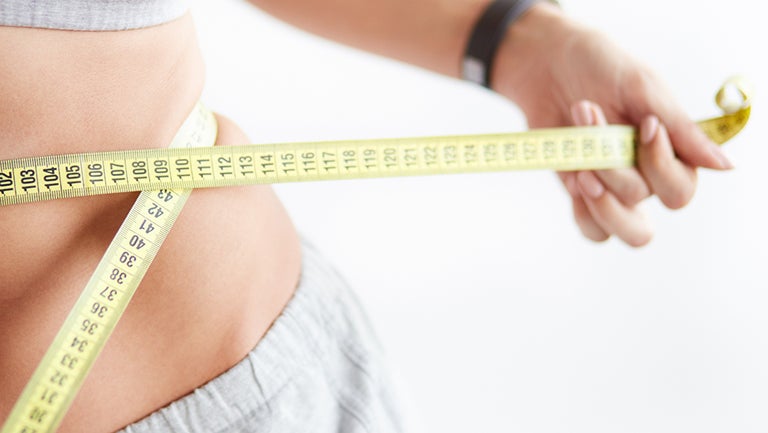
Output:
[[496, 314]]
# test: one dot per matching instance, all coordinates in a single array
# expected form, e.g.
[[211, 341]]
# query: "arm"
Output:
[[430, 33], [560, 73]]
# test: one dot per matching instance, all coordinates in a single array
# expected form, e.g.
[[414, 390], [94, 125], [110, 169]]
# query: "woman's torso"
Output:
[[227, 269]]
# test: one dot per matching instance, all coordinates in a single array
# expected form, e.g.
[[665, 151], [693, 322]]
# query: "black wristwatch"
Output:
[[486, 37]]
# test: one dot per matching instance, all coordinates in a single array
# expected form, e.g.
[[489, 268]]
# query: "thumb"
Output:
[[691, 145]]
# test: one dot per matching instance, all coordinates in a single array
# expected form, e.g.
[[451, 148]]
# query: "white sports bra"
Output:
[[95, 15]]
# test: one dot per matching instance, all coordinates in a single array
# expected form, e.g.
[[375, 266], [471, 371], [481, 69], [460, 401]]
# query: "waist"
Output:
[[205, 301]]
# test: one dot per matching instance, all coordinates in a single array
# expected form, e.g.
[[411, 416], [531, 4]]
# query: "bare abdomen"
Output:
[[227, 269]]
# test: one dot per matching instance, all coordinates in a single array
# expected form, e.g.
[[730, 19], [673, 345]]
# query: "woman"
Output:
[[269, 334]]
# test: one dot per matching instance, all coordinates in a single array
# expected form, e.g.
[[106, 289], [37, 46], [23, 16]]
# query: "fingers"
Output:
[[611, 215], [627, 184], [588, 226], [671, 179], [598, 213], [605, 202]]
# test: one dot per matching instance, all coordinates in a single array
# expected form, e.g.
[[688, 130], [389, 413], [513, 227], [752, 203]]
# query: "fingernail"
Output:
[[582, 114], [590, 185], [648, 129], [570, 185], [725, 163]]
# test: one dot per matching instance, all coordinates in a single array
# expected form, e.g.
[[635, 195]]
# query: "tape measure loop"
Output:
[[168, 175]]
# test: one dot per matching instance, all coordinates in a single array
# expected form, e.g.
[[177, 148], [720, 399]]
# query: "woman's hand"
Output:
[[552, 68]]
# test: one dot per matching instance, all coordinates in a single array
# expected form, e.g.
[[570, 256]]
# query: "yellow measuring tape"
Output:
[[576, 148], [166, 177]]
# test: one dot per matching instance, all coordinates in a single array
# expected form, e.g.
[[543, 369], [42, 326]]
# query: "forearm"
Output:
[[428, 33]]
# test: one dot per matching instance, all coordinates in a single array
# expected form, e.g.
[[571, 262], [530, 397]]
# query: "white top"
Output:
[[89, 14]]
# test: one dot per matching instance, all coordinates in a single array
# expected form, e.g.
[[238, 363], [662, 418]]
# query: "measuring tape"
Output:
[[166, 177], [576, 148]]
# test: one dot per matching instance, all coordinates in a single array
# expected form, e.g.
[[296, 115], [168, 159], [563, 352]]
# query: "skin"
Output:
[[227, 269], [232, 261]]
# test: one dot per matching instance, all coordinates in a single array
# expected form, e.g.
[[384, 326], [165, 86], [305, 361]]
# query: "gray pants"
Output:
[[318, 369]]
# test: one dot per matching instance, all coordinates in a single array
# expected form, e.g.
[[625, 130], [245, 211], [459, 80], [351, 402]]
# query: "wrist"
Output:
[[528, 46]]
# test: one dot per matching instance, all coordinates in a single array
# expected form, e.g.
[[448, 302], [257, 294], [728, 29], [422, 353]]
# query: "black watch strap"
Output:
[[486, 37]]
